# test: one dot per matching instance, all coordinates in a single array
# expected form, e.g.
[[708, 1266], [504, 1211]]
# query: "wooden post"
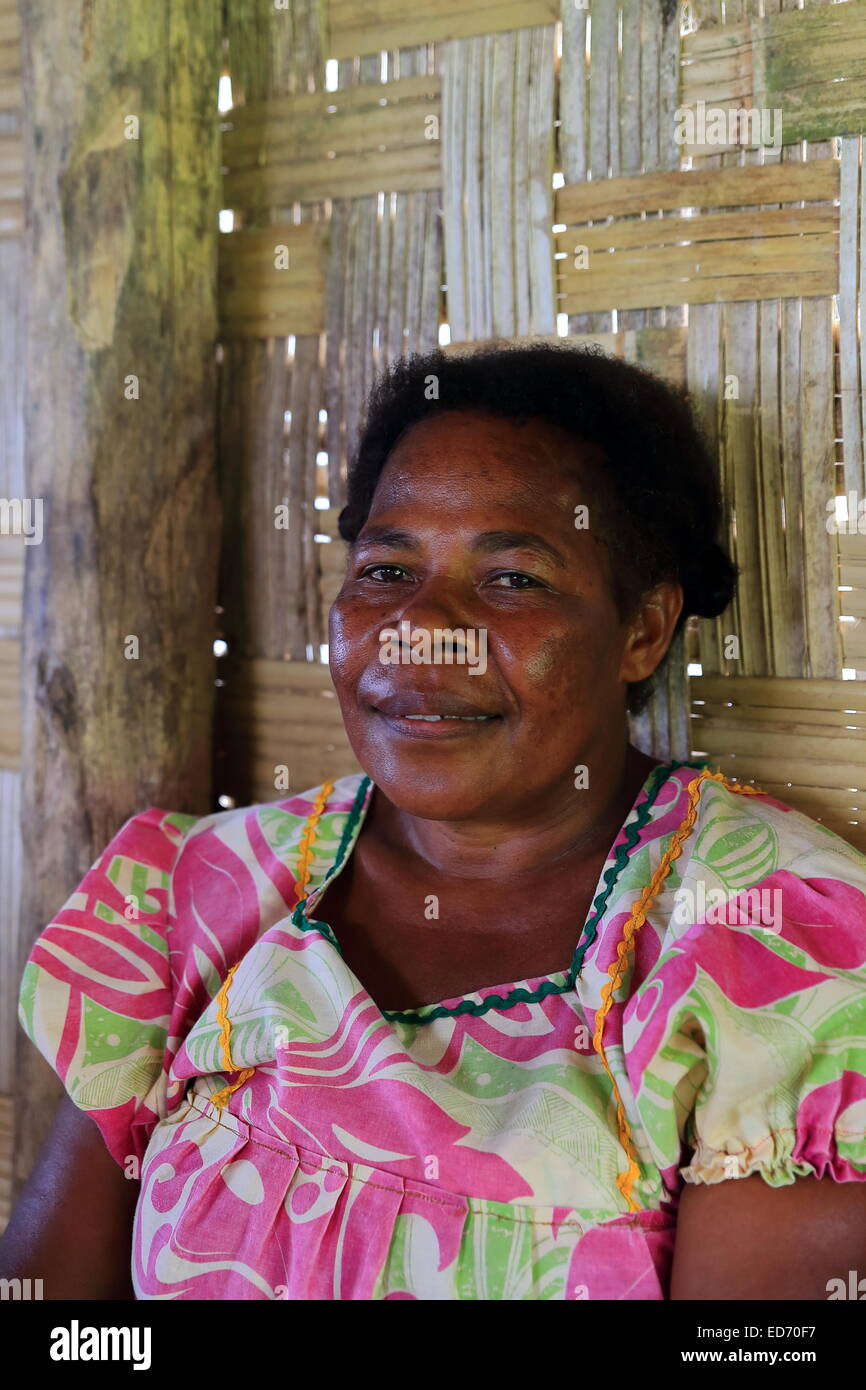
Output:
[[121, 151]]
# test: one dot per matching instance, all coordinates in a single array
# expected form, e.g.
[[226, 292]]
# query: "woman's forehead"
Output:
[[515, 464]]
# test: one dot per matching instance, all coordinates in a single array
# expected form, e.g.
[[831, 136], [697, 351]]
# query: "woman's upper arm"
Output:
[[742, 1238], [72, 1226]]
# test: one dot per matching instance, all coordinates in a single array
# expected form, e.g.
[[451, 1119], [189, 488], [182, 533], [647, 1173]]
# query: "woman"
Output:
[[463, 1026]]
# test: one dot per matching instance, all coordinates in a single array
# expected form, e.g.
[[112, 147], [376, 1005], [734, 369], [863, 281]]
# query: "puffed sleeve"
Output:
[[96, 994], [748, 1038]]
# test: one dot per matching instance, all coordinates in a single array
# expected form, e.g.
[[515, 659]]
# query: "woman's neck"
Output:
[[565, 825]]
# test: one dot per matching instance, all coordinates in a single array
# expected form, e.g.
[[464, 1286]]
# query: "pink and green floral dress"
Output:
[[527, 1141]]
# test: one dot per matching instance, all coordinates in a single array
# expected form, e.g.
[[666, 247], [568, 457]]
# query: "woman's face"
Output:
[[473, 532]]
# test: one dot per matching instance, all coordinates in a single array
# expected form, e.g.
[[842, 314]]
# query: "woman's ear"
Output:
[[650, 631]]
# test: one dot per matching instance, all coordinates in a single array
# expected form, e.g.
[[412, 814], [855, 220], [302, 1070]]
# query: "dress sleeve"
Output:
[[750, 1033], [96, 994]]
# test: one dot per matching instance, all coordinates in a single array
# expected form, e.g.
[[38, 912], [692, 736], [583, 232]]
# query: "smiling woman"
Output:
[[461, 1026]]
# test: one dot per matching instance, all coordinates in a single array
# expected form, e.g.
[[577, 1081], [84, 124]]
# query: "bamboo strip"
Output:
[[774, 224], [746, 766], [778, 693], [523, 169], [709, 291], [849, 364], [819, 484], [698, 188], [346, 176], [455, 226], [453, 19]]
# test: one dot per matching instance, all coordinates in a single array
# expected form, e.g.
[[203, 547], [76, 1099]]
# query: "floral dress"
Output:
[[526, 1141]]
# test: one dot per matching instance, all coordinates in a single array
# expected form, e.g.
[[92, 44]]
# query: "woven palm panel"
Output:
[[278, 721], [337, 144], [609, 257], [803, 741], [810, 65], [272, 280], [372, 26]]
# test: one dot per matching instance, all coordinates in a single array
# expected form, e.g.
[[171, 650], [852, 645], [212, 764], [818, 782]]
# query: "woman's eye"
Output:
[[524, 581], [392, 573]]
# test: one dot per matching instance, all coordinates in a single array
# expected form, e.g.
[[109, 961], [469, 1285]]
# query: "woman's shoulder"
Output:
[[742, 835], [318, 815]]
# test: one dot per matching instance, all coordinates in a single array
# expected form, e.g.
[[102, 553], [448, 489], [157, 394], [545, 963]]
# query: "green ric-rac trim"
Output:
[[566, 982], [531, 996], [298, 918]]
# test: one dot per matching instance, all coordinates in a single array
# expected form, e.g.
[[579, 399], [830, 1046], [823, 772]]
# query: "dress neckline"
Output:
[[530, 990]]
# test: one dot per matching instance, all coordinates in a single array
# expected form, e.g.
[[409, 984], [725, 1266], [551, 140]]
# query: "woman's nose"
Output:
[[439, 603]]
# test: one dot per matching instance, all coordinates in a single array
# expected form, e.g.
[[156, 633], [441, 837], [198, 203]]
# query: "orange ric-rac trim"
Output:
[[220, 1098], [626, 1180]]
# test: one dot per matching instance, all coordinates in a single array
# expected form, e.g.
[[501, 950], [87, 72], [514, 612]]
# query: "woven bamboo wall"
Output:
[[396, 179], [397, 176]]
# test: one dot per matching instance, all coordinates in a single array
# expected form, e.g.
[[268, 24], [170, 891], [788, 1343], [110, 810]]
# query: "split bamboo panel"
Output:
[[10, 703], [617, 94], [852, 600], [12, 550], [852, 343], [712, 257], [270, 385], [803, 741], [383, 291], [809, 65], [332, 563], [12, 304], [763, 376], [272, 281], [372, 26], [11, 186], [618, 84], [10, 56], [281, 715], [497, 201], [341, 144]]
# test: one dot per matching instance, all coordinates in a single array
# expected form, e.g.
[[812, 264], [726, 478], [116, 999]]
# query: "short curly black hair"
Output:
[[660, 502]]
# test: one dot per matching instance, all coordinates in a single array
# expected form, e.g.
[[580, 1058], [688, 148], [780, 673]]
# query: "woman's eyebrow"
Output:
[[490, 541], [487, 543], [387, 536]]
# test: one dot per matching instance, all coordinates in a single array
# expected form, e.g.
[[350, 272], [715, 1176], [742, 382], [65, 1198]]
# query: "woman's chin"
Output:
[[441, 791]]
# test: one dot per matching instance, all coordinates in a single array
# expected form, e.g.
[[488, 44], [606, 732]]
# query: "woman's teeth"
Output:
[[431, 717]]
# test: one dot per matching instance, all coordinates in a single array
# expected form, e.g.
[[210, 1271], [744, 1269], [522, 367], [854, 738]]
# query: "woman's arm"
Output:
[[741, 1238], [72, 1227]]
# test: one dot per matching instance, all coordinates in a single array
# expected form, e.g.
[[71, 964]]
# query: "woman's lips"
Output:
[[437, 727], [433, 714]]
